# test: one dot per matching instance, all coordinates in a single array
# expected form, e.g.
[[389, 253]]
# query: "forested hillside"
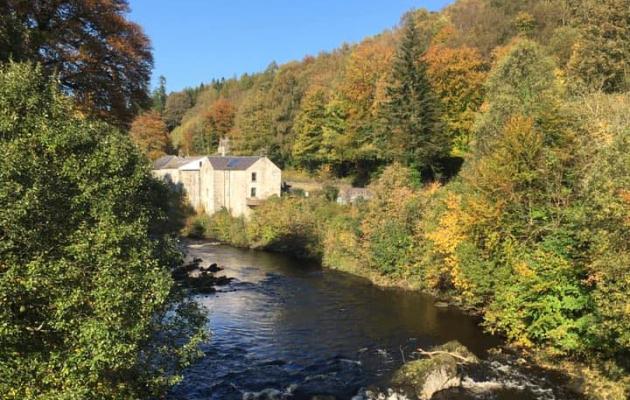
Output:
[[532, 232], [349, 111]]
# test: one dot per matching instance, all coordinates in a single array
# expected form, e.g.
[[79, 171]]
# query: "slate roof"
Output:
[[173, 162], [229, 163], [232, 163]]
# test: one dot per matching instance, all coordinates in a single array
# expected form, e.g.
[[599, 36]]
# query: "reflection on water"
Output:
[[289, 326]]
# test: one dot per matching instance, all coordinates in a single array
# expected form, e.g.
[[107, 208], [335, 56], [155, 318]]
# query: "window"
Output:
[[253, 192], [253, 177]]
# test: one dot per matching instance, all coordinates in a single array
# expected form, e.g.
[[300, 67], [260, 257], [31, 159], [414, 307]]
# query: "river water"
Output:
[[287, 328]]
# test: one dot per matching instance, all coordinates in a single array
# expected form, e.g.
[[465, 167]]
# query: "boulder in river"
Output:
[[212, 268], [439, 371]]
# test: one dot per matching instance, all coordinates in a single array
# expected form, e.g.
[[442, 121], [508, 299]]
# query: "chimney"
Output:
[[224, 146]]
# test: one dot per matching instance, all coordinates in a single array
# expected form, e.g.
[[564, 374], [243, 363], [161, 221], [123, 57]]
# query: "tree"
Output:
[[149, 133], [254, 132], [159, 96], [309, 125], [511, 236], [220, 119], [601, 55], [176, 106], [521, 83], [365, 71], [457, 75], [285, 95], [412, 110], [88, 308], [103, 60]]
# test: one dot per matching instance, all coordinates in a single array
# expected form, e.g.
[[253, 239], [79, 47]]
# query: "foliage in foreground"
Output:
[[88, 309]]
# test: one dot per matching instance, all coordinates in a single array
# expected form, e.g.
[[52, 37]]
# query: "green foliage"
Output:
[[389, 223], [331, 192], [87, 305], [604, 186], [309, 126], [412, 110], [176, 106], [602, 52], [223, 227], [523, 82], [158, 97]]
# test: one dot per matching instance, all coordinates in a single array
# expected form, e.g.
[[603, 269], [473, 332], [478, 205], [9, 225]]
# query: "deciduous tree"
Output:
[[176, 106], [602, 53], [457, 75], [309, 127], [149, 133], [103, 60], [88, 308]]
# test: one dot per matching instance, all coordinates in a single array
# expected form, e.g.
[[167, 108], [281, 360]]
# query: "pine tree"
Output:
[[159, 96], [412, 111]]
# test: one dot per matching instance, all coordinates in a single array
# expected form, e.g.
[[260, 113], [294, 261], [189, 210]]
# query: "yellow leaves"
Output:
[[451, 230], [364, 72], [522, 269]]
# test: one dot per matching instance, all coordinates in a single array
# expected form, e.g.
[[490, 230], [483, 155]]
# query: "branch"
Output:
[[433, 353]]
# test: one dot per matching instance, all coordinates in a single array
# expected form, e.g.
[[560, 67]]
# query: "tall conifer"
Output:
[[412, 114]]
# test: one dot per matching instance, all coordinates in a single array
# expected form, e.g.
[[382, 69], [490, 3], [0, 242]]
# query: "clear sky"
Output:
[[197, 40]]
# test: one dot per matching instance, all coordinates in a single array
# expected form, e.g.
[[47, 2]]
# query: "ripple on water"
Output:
[[290, 328]]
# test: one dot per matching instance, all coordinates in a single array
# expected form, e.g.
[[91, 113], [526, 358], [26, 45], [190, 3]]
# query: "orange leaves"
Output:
[[367, 64], [220, 117], [149, 133]]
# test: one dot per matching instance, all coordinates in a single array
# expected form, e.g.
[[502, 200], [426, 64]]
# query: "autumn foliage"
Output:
[[101, 58], [149, 133]]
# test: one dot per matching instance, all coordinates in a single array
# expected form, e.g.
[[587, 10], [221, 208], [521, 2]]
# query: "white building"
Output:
[[214, 182]]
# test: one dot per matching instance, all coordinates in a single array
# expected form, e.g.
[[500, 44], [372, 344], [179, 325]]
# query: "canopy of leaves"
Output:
[[176, 106], [103, 60], [88, 308], [149, 133], [412, 111]]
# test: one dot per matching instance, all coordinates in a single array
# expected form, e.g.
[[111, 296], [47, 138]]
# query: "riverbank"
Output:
[[581, 378], [538, 295], [288, 328]]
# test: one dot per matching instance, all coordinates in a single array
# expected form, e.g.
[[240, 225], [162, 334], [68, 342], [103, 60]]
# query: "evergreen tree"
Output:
[[412, 110], [159, 96]]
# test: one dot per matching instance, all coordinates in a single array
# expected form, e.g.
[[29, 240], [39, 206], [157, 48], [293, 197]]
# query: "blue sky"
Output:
[[197, 40]]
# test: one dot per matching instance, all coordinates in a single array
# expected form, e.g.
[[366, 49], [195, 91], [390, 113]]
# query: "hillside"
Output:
[[332, 111]]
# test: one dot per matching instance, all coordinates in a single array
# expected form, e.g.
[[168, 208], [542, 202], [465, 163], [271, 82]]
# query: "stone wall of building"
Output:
[[211, 190]]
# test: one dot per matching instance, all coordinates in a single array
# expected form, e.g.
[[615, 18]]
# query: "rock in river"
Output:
[[438, 372]]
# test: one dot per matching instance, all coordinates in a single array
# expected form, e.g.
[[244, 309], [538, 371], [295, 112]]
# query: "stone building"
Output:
[[212, 183]]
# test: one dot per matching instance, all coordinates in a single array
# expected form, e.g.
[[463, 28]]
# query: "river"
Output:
[[289, 329]]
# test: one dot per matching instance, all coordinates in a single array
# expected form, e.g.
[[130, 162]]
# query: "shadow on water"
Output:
[[289, 326]]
